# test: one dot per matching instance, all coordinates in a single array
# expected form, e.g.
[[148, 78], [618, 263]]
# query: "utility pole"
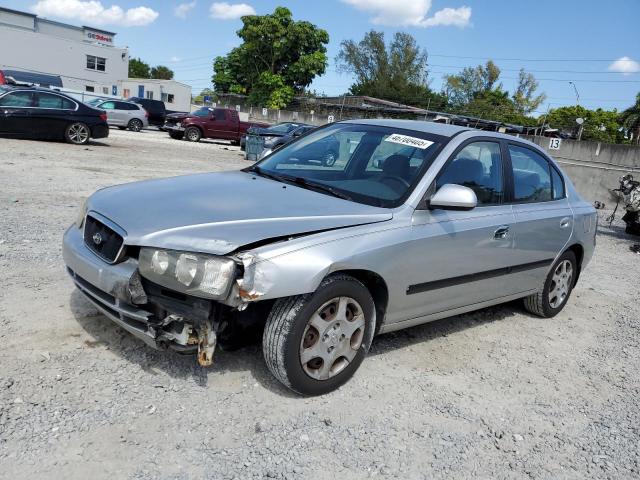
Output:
[[580, 121]]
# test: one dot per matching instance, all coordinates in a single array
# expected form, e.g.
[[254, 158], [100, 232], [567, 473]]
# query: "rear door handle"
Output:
[[501, 232], [565, 222]]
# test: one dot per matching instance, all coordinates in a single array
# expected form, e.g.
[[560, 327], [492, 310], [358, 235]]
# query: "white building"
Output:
[[84, 57], [175, 95]]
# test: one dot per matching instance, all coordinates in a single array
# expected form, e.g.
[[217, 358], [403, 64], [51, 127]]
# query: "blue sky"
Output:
[[592, 43]]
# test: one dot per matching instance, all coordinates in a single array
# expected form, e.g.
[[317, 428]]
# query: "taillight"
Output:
[[103, 117], [2, 80], [146, 114]]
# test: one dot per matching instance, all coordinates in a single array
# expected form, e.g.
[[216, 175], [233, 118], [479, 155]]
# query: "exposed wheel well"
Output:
[[578, 251], [378, 289]]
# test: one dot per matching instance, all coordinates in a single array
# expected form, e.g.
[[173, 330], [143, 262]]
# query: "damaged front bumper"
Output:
[[161, 318]]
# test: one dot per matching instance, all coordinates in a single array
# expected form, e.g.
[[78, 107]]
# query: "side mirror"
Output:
[[454, 197]]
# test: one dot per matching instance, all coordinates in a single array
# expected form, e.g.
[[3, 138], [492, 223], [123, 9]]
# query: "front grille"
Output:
[[102, 240]]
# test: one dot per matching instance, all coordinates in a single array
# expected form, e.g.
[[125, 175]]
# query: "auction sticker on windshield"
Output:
[[409, 141]]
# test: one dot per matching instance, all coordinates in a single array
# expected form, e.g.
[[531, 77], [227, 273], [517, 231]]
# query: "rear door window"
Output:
[[108, 106], [531, 175], [17, 99], [48, 100]]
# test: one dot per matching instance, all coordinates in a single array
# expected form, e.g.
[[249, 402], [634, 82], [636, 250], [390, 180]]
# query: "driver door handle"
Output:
[[501, 232]]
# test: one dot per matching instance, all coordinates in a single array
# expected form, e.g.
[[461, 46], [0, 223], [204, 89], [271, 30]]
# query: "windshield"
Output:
[[364, 163]]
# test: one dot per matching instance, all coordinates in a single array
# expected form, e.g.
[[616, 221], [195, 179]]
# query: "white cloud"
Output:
[[457, 17], [183, 9], [175, 59], [411, 13], [625, 65], [94, 13], [227, 11]]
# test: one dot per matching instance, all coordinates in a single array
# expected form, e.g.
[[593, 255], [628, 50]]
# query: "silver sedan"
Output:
[[413, 222]]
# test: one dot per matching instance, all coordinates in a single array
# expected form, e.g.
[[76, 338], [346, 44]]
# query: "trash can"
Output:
[[254, 147]]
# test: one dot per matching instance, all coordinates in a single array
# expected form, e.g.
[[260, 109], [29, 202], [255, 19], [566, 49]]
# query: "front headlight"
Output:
[[81, 214], [205, 276]]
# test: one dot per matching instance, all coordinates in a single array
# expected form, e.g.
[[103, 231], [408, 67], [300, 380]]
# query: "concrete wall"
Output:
[[594, 167]]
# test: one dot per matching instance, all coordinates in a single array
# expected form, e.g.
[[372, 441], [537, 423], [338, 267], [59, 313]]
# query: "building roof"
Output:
[[41, 19]]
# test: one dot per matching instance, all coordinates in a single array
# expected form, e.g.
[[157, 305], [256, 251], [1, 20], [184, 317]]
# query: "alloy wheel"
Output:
[[332, 337], [560, 283], [78, 133], [135, 125]]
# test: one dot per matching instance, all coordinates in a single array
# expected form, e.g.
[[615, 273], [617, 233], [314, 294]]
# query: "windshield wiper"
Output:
[[266, 174], [299, 181], [302, 182]]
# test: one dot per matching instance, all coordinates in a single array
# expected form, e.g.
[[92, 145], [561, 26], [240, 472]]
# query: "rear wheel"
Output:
[[555, 292], [135, 125], [314, 343], [77, 133], [193, 134]]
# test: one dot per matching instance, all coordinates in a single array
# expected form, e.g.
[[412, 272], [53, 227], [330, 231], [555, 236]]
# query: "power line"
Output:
[[524, 59], [532, 71]]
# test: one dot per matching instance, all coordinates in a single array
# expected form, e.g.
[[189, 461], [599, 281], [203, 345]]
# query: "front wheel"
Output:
[[77, 133], [555, 292], [314, 343], [192, 134]]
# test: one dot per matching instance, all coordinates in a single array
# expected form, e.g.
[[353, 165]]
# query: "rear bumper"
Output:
[[100, 131]]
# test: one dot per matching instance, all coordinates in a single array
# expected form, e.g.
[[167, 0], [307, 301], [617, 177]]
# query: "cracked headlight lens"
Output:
[[196, 274]]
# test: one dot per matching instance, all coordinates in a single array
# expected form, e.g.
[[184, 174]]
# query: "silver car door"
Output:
[[544, 218], [460, 258], [112, 114]]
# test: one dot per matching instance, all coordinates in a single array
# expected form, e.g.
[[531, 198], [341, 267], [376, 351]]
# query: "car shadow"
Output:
[[444, 327], [106, 334]]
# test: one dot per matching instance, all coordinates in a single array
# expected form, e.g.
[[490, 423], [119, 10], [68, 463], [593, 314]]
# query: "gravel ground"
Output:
[[492, 394]]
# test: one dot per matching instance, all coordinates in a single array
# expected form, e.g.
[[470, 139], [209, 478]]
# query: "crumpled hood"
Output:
[[220, 212]]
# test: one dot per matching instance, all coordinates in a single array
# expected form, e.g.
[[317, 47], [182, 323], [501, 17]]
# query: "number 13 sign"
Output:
[[554, 143]]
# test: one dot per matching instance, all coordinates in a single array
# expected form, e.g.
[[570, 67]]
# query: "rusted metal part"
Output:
[[207, 340]]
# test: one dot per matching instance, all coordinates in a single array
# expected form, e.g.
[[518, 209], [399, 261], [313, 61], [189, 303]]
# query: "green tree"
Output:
[[630, 119], [525, 98], [139, 69], [462, 88], [277, 58], [495, 105], [395, 72], [599, 125], [161, 72]]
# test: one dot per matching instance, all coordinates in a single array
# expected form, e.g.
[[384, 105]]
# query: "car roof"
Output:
[[417, 125]]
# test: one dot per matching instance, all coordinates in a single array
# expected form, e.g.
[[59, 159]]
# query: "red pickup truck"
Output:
[[220, 123]]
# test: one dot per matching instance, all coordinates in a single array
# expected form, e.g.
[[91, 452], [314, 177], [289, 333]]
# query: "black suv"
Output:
[[156, 109]]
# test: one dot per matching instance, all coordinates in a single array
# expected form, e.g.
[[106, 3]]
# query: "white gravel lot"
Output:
[[492, 394]]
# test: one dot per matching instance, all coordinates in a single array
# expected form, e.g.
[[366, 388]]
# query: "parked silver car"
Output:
[[123, 114], [324, 257]]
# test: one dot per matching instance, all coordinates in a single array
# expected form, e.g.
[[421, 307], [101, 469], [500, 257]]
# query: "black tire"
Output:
[[193, 134], [287, 324], [176, 135], [77, 133], [135, 125], [539, 303]]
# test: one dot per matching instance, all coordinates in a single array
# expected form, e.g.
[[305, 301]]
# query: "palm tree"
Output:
[[630, 119]]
